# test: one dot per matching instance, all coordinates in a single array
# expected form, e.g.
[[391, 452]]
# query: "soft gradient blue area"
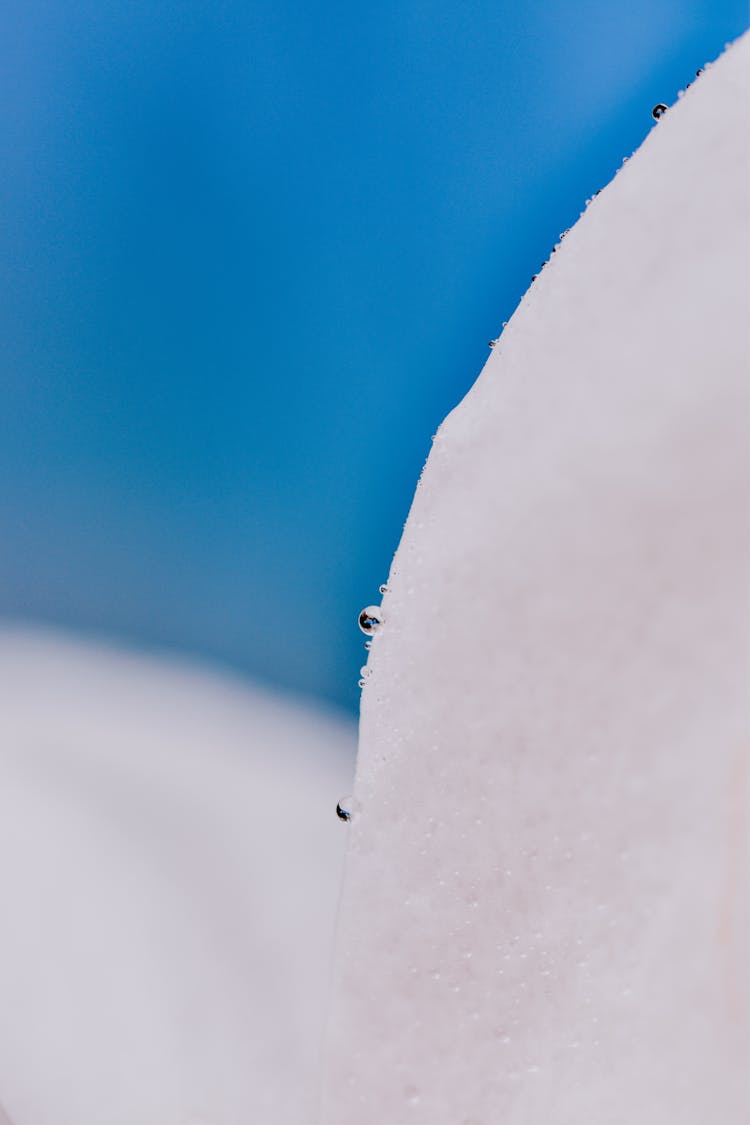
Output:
[[251, 254]]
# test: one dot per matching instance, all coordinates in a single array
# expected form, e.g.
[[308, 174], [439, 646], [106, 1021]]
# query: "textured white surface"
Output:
[[170, 864], [545, 911]]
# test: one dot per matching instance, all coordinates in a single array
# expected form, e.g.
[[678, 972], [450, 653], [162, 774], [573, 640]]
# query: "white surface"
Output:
[[170, 863], [545, 912]]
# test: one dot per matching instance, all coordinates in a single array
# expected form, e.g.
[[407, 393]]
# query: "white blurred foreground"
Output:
[[169, 870], [545, 913]]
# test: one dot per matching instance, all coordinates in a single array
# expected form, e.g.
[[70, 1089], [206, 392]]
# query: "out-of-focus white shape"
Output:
[[170, 863], [545, 913]]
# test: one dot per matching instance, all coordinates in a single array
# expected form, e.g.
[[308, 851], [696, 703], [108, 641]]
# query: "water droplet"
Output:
[[534, 276], [698, 72], [368, 645], [658, 111], [370, 619], [491, 343], [361, 682], [383, 589], [345, 808]]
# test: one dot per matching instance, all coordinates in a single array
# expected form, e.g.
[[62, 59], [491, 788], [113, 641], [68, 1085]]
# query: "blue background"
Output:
[[250, 256]]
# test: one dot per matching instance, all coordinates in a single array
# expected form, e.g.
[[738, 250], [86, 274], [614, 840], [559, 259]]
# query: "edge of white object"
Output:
[[170, 865], [545, 908]]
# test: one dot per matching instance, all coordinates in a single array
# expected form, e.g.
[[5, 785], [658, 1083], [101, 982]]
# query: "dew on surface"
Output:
[[658, 111], [345, 808], [370, 619]]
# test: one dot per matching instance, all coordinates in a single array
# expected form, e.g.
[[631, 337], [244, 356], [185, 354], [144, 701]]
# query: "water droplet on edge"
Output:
[[345, 808], [658, 111], [370, 619], [383, 589]]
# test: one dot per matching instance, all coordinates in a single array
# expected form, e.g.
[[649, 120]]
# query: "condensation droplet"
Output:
[[370, 619], [361, 682], [658, 111], [368, 645], [345, 808]]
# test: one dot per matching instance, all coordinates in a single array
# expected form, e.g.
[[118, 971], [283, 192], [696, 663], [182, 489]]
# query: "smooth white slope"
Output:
[[545, 913], [169, 870]]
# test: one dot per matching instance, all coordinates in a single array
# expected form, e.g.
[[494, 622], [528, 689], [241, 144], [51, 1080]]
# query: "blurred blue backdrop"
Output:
[[251, 254]]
